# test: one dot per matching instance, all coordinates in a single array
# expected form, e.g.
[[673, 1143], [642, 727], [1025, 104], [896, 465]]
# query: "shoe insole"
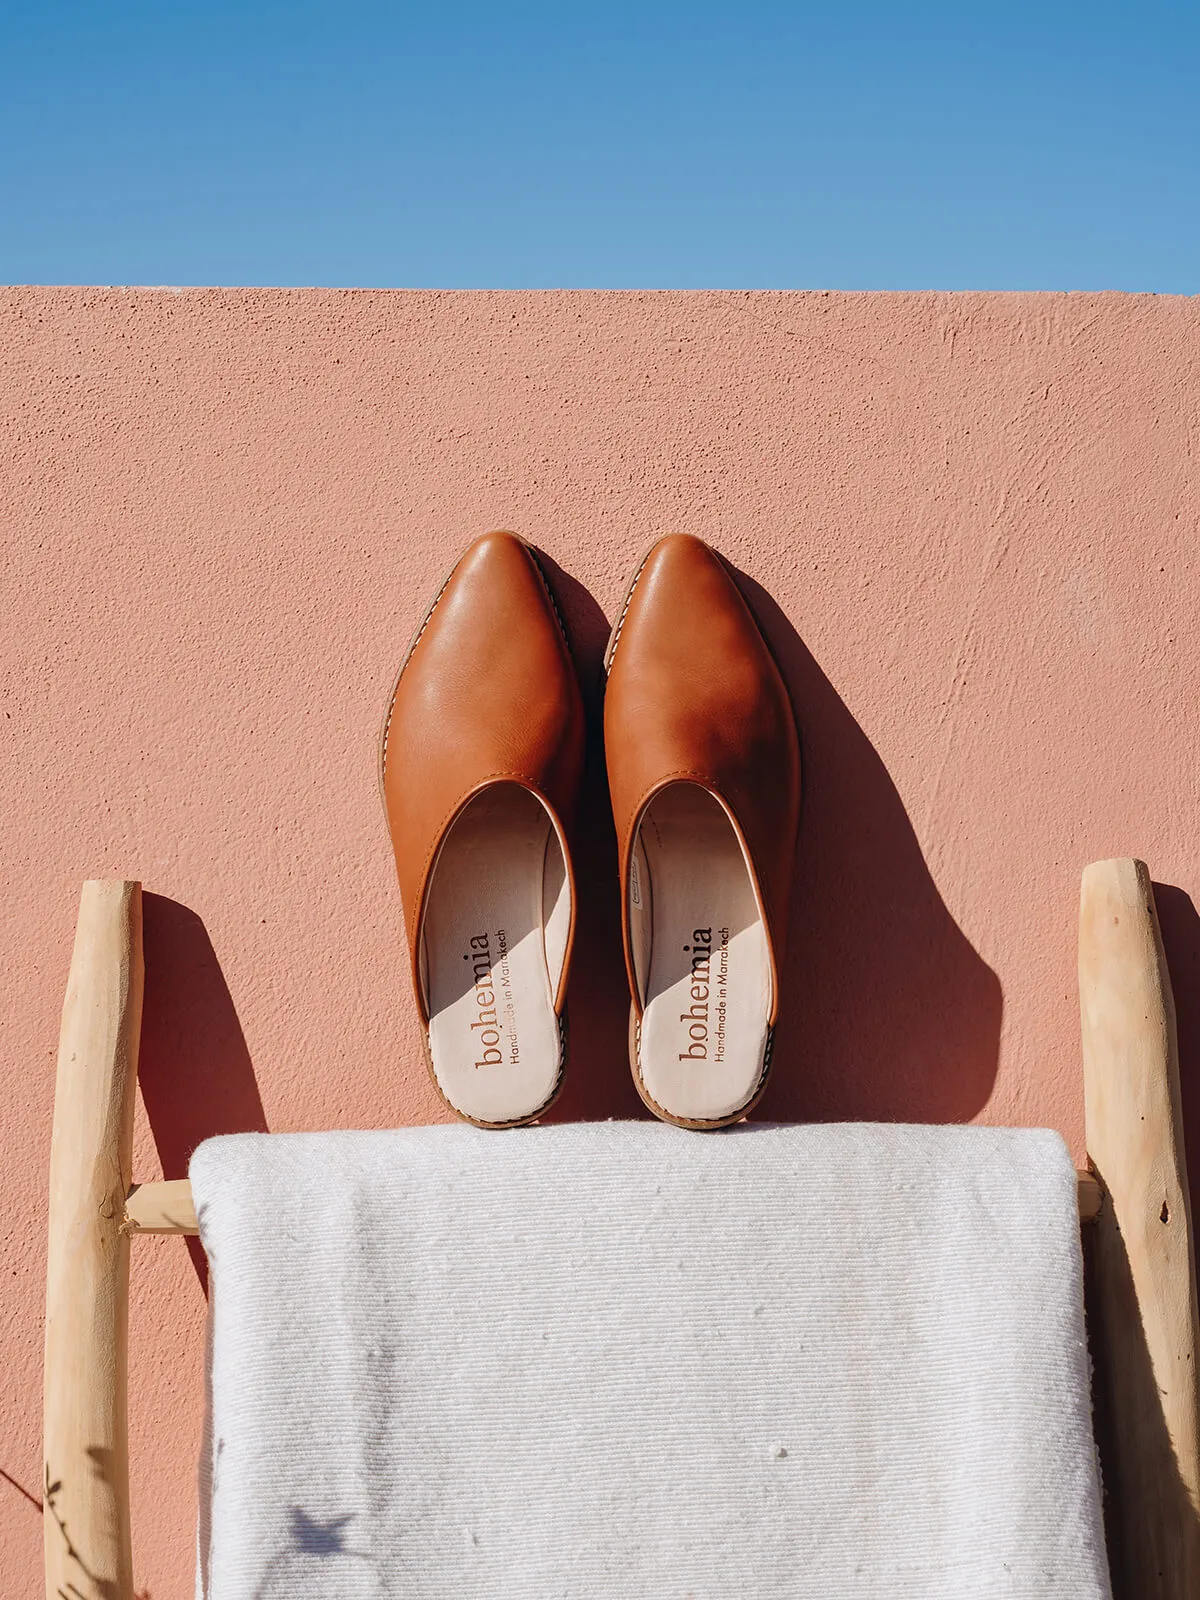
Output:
[[495, 934], [701, 957]]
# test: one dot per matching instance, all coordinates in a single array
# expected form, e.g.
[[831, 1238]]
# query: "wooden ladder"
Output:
[[1134, 1206]]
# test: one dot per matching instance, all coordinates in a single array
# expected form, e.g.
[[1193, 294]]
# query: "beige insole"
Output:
[[495, 934], [701, 958]]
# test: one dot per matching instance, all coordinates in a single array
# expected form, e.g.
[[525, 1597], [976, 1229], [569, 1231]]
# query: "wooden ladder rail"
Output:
[[1142, 1310], [1142, 1324], [85, 1417]]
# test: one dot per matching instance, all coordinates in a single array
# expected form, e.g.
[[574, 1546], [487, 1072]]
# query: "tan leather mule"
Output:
[[704, 770], [480, 763]]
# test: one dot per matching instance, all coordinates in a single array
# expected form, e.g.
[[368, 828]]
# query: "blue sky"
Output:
[[914, 145]]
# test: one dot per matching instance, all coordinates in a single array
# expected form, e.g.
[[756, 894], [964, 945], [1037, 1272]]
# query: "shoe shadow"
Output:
[[1179, 924], [889, 1013], [194, 1069], [598, 1083]]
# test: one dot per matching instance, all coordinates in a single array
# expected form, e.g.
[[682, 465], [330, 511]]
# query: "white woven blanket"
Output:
[[619, 1361]]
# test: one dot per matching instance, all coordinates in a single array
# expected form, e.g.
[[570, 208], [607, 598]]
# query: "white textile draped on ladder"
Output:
[[619, 1361]]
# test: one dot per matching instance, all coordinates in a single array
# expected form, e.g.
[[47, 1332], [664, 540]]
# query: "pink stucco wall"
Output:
[[970, 522]]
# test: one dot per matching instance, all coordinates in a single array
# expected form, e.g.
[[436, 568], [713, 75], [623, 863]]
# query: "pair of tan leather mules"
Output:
[[481, 762]]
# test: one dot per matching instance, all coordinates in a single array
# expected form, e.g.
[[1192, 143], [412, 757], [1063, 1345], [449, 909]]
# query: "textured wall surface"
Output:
[[968, 522]]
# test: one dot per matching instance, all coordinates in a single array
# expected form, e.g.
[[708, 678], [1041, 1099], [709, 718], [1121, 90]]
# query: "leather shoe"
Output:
[[480, 764], [704, 772]]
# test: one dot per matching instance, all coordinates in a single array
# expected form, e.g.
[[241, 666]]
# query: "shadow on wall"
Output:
[[889, 1013], [1180, 927], [194, 1069]]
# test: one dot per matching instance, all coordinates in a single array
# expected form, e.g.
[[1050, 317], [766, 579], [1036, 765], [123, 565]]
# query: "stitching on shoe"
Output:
[[462, 802], [387, 727], [703, 1122], [637, 578], [705, 777], [673, 776], [478, 1122], [554, 606], [768, 1047], [552, 598]]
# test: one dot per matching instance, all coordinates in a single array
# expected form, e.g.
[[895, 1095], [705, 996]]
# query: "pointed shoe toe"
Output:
[[481, 758], [704, 773]]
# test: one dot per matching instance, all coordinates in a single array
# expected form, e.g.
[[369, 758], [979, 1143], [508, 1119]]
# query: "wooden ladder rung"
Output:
[[168, 1207], [160, 1208]]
